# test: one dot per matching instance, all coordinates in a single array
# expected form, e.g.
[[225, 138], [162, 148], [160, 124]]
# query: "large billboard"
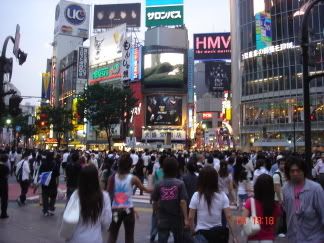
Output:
[[72, 19], [164, 70], [111, 15], [164, 16], [105, 73], [107, 46], [212, 46], [263, 30], [163, 2], [217, 76], [164, 110], [46, 85], [68, 73], [137, 117]]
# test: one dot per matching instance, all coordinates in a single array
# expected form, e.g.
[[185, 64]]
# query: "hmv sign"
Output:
[[212, 46], [75, 14]]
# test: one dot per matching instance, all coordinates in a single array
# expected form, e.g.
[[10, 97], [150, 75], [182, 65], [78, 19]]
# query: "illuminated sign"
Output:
[[83, 61], [263, 30], [212, 46], [163, 2], [164, 16], [110, 72], [268, 50], [207, 115]]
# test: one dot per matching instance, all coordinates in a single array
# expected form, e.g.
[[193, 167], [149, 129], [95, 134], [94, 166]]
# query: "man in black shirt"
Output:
[[72, 170]]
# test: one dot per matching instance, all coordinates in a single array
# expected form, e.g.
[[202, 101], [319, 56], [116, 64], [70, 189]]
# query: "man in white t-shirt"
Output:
[[134, 157]]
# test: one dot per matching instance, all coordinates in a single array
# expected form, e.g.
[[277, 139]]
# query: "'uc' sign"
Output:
[[75, 14]]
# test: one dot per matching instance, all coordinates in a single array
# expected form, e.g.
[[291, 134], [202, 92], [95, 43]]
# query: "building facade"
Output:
[[268, 76]]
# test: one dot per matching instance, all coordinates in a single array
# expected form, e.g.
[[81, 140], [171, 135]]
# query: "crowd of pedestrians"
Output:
[[195, 196]]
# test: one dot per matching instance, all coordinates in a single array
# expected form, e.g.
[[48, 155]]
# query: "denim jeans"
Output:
[[154, 227], [165, 233]]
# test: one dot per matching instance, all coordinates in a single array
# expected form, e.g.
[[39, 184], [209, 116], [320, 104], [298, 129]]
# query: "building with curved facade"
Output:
[[267, 72]]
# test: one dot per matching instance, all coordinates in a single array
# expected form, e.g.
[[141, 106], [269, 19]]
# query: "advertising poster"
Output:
[[107, 46], [111, 15], [83, 63], [163, 70], [212, 46], [46, 87], [72, 19], [137, 118], [105, 73], [217, 76], [164, 110], [263, 30], [164, 16], [136, 64]]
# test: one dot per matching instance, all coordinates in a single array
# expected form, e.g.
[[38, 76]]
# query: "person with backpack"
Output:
[[49, 171], [4, 173], [279, 179], [170, 203], [120, 188], [23, 178]]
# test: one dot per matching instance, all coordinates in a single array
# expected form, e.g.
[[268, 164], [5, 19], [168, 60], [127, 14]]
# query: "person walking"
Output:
[[95, 208], [260, 167], [170, 202], [120, 187], [72, 172], [209, 202], [319, 170], [23, 178], [4, 173], [303, 203], [12, 159], [49, 171], [267, 210]]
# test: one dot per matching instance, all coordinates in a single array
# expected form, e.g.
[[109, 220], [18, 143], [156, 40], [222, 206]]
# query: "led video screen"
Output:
[[163, 70]]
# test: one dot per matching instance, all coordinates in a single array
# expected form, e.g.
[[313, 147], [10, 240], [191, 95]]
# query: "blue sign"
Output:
[[191, 64], [75, 14], [163, 2]]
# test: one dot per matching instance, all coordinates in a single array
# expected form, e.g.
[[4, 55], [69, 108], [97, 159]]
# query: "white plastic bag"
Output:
[[251, 227], [71, 216]]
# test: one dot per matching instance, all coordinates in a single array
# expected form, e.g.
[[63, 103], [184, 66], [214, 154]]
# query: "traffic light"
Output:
[[14, 103]]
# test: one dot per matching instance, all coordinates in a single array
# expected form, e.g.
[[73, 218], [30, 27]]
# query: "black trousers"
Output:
[[49, 198], [24, 185], [4, 197], [128, 219]]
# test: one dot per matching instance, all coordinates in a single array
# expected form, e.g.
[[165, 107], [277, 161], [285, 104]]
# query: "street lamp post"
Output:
[[204, 140], [294, 129], [305, 10], [131, 133]]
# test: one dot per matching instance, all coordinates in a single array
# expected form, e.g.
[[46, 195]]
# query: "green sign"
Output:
[[109, 72], [164, 16]]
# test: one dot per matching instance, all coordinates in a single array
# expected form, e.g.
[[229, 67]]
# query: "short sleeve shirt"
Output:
[[168, 193], [207, 219]]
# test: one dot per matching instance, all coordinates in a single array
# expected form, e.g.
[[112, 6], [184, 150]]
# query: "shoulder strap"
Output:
[[253, 211], [278, 173]]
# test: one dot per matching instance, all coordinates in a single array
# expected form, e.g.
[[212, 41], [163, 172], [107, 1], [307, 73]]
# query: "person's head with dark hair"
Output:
[[242, 175], [161, 160], [33, 154], [264, 193], [49, 156], [210, 160], [124, 163], [133, 151], [90, 194], [153, 158], [3, 157], [26, 154], [260, 161], [191, 167], [295, 170], [207, 184], [170, 167], [223, 169], [75, 157]]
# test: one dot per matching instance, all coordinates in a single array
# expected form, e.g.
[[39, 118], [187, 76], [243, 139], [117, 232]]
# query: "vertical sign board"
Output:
[[83, 63], [135, 63], [46, 85], [164, 16], [263, 30], [190, 76], [126, 59]]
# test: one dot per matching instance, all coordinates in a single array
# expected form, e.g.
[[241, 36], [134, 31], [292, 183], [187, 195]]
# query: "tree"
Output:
[[27, 130], [60, 119], [105, 106]]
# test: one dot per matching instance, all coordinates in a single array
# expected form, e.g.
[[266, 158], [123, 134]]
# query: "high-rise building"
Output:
[[267, 73]]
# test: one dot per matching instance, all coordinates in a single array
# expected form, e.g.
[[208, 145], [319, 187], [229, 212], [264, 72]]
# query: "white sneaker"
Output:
[[281, 235]]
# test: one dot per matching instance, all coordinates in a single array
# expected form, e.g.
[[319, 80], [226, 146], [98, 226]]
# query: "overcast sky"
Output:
[[36, 20]]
